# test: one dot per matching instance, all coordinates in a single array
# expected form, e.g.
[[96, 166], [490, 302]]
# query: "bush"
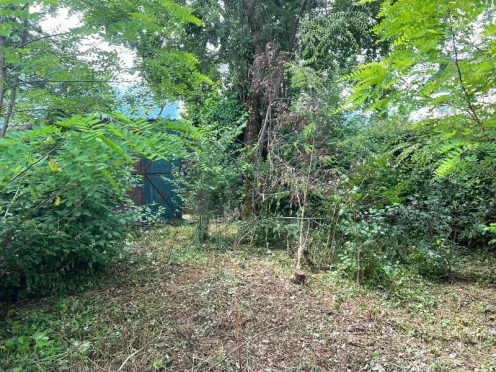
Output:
[[62, 192], [210, 182], [45, 251], [274, 232]]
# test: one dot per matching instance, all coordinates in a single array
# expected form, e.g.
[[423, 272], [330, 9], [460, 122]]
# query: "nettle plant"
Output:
[[62, 191]]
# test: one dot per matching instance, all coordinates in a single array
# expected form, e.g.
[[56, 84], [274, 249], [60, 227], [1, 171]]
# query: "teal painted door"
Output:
[[157, 188]]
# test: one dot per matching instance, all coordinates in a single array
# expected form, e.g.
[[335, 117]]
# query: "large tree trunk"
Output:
[[256, 131], [253, 100], [253, 124], [253, 103]]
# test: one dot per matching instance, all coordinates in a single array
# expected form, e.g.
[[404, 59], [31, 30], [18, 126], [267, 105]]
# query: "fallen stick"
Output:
[[129, 357]]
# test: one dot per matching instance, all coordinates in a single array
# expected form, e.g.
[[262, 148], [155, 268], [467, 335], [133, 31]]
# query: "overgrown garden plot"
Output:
[[173, 308]]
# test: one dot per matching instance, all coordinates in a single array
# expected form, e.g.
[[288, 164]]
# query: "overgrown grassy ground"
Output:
[[172, 308]]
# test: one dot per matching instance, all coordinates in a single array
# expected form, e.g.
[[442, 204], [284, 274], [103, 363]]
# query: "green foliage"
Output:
[[396, 171], [437, 73], [333, 40], [46, 74], [37, 338], [63, 189], [424, 174], [153, 30], [358, 256], [492, 229], [63, 186], [211, 179]]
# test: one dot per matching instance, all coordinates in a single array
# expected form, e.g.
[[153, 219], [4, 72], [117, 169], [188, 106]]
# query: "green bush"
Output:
[[274, 232], [212, 176], [46, 250], [63, 194]]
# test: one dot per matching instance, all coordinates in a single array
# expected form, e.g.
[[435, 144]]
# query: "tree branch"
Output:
[[42, 38], [69, 81], [466, 94], [292, 40], [33, 164], [3, 73], [13, 91]]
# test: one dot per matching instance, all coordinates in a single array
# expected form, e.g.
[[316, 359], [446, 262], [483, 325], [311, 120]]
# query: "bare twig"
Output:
[[466, 94], [22, 45], [237, 316], [97, 366], [302, 239], [129, 357]]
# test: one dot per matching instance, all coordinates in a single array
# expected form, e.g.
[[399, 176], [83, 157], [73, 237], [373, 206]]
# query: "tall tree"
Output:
[[252, 37], [257, 40]]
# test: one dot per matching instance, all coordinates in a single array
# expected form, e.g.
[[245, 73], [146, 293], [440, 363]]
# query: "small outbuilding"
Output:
[[157, 187]]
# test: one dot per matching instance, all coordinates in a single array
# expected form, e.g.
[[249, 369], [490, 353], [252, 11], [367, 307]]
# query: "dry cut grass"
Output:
[[174, 309]]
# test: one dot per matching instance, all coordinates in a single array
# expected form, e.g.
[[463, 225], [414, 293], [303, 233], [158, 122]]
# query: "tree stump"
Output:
[[299, 277]]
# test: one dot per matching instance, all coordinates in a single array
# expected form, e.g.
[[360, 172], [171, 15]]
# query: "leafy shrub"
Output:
[[40, 339], [491, 229], [210, 182], [62, 192], [274, 232]]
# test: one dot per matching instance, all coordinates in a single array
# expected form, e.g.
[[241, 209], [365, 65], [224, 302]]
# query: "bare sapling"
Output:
[[300, 277]]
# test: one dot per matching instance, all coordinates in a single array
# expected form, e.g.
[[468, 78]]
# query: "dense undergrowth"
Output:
[[375, 160], [170, 308], [375, 153], [63, 198]]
